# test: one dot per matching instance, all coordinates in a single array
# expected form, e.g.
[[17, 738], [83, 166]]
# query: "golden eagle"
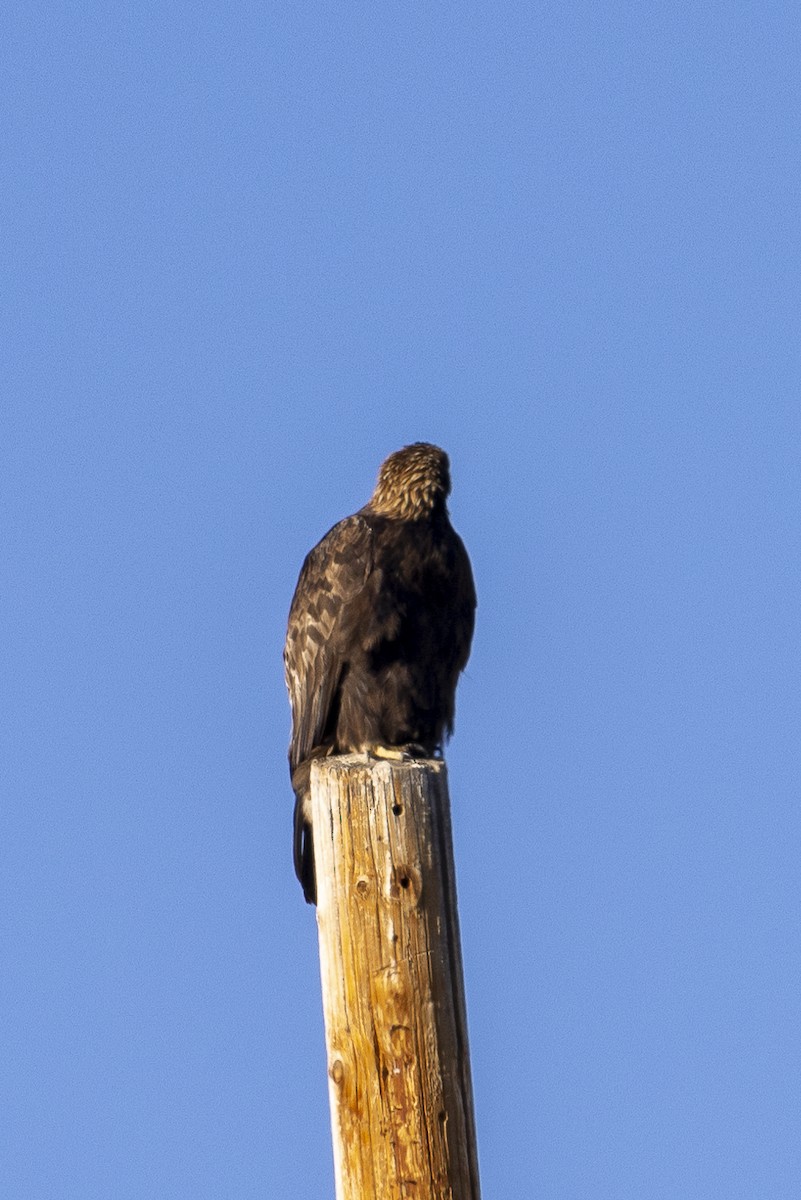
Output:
[[379, 629]]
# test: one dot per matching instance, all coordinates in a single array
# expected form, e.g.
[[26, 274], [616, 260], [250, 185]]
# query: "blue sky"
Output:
[[247, 252]]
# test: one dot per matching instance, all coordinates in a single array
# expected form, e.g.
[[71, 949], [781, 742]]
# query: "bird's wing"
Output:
[[465, 604], [332, 576]]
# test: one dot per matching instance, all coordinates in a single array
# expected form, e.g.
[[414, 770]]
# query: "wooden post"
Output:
[[393, 989]]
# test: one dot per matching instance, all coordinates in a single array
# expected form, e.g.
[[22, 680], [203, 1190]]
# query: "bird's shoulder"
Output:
[[338, 565]]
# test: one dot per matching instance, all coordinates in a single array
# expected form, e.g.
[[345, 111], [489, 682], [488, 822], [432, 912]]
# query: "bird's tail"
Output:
[[303, 846]]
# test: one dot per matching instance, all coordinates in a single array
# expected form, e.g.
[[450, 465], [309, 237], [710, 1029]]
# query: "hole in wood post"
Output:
[[397, 809], [407, 882]]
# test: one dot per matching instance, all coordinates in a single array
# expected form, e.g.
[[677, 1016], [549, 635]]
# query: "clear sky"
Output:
[[247, 251]]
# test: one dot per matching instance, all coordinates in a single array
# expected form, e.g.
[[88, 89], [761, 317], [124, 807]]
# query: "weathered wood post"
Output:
[[393, 989]]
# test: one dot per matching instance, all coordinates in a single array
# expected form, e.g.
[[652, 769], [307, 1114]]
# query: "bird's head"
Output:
[[412, 483]]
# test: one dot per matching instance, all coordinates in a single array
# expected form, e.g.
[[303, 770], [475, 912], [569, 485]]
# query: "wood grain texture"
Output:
[[393, 991]]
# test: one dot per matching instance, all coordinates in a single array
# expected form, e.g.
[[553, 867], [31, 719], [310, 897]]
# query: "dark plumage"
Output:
[[379, 629]]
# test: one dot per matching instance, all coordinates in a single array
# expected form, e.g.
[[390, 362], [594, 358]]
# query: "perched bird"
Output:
[[379, 629]]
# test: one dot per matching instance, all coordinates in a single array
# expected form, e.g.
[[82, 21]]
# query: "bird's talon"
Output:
[[407, 753]]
